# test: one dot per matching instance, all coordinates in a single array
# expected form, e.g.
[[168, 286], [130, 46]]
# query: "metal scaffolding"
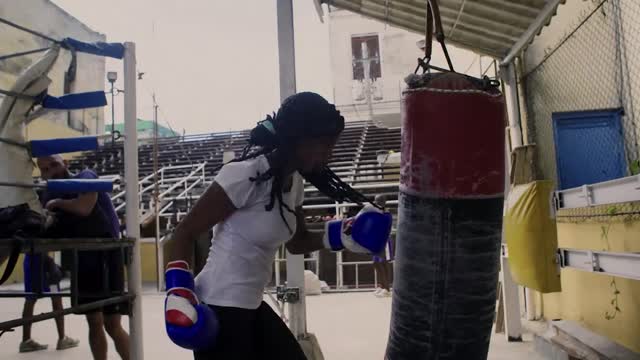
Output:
[[75, 245], [128, 56]]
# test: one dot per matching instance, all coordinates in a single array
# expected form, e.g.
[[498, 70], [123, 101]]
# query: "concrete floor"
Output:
[[362, 334]]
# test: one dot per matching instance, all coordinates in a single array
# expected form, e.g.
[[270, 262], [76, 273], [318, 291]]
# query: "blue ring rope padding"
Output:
[[79, 186], [59, 146], [114, 50], [75, 101]]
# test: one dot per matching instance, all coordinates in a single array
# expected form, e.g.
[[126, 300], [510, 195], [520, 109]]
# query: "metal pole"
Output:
[[543, 15], [276, 264], [339, 278], [287, 62], [131, 178], [508, 75], [510, 297], [113, 116], [156, 194], [75, 309]]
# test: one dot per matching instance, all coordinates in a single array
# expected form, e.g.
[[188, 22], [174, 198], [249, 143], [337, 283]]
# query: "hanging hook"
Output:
[[433, 19]]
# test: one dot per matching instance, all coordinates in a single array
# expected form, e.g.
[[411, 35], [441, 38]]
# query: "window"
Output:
[[589, 147], [365, 54]]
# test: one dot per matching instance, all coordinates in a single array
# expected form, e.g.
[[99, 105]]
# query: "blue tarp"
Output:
[[75, 101], [59, 146], [79, 186], [114, 50]]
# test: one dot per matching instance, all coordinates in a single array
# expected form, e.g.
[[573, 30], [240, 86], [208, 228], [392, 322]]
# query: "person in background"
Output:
[[381, 262], [40, 273], [90, 215]]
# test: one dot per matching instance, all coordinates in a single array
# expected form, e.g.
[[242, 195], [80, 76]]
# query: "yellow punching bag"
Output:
[[530, 229]]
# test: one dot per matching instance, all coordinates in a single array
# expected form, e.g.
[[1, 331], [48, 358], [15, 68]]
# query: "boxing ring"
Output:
[[25, 101]]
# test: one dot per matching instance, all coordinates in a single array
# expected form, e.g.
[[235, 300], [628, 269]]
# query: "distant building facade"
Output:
[[369, 62], [144, 129], [88, 75]]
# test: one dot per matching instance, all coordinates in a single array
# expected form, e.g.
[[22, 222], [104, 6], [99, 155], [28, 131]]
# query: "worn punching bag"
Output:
[[449, 218]]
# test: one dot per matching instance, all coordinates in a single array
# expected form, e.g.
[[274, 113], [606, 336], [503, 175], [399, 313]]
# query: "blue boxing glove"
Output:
[[189, 323], [367, 232]]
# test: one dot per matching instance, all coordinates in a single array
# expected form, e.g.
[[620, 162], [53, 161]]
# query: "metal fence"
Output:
[[594, 66]]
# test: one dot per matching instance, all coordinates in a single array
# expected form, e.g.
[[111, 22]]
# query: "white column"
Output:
[[131, 178], [510, 296], [286, 49], [508, 75], [287, 60], [513, 327]]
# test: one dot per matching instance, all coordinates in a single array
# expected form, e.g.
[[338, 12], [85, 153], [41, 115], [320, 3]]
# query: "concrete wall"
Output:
[[47, 18], [148, 256], [583, 75], [586, 297], [399, 53]]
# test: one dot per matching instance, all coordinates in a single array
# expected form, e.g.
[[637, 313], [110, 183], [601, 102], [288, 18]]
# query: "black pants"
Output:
[[252, 334], [101, 276]]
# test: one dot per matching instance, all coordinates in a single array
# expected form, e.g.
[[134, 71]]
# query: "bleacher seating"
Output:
[[354, 159]]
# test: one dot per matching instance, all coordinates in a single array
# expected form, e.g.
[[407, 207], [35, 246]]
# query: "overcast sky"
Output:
[[212, 64]]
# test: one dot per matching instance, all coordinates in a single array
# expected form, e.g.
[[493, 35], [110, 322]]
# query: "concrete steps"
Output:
[[568, 340]]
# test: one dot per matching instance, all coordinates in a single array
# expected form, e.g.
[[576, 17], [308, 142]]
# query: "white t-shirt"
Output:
[[243, 246]]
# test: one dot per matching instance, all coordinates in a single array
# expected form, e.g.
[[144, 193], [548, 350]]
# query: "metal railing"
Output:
[[340, 264], [340, 273], [74, 245], [197, 175], [314, 260], [169, 182]]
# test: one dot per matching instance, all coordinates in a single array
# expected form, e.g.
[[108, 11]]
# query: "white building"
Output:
[[369, 61], [49, 19]]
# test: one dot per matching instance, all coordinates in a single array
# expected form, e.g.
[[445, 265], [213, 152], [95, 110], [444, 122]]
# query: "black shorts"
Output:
[[252, 334], [101, 276]]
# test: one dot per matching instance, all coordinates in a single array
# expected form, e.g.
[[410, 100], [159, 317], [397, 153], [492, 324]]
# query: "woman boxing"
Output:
[[254, 206]]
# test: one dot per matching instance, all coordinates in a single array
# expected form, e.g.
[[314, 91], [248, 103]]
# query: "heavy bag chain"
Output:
[[433, 19], [434, 22]]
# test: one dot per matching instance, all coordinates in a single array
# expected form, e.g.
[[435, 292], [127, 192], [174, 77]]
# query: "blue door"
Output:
[[589, 147]]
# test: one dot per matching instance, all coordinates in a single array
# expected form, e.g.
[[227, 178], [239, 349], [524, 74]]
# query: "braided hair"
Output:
[[303, 115]]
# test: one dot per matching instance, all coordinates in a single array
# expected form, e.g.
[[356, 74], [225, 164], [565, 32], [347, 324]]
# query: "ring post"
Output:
[[131, 178], [286, 52]]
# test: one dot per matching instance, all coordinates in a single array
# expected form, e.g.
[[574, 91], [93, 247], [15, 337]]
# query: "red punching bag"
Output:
[[453, 138], [449, 218]]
